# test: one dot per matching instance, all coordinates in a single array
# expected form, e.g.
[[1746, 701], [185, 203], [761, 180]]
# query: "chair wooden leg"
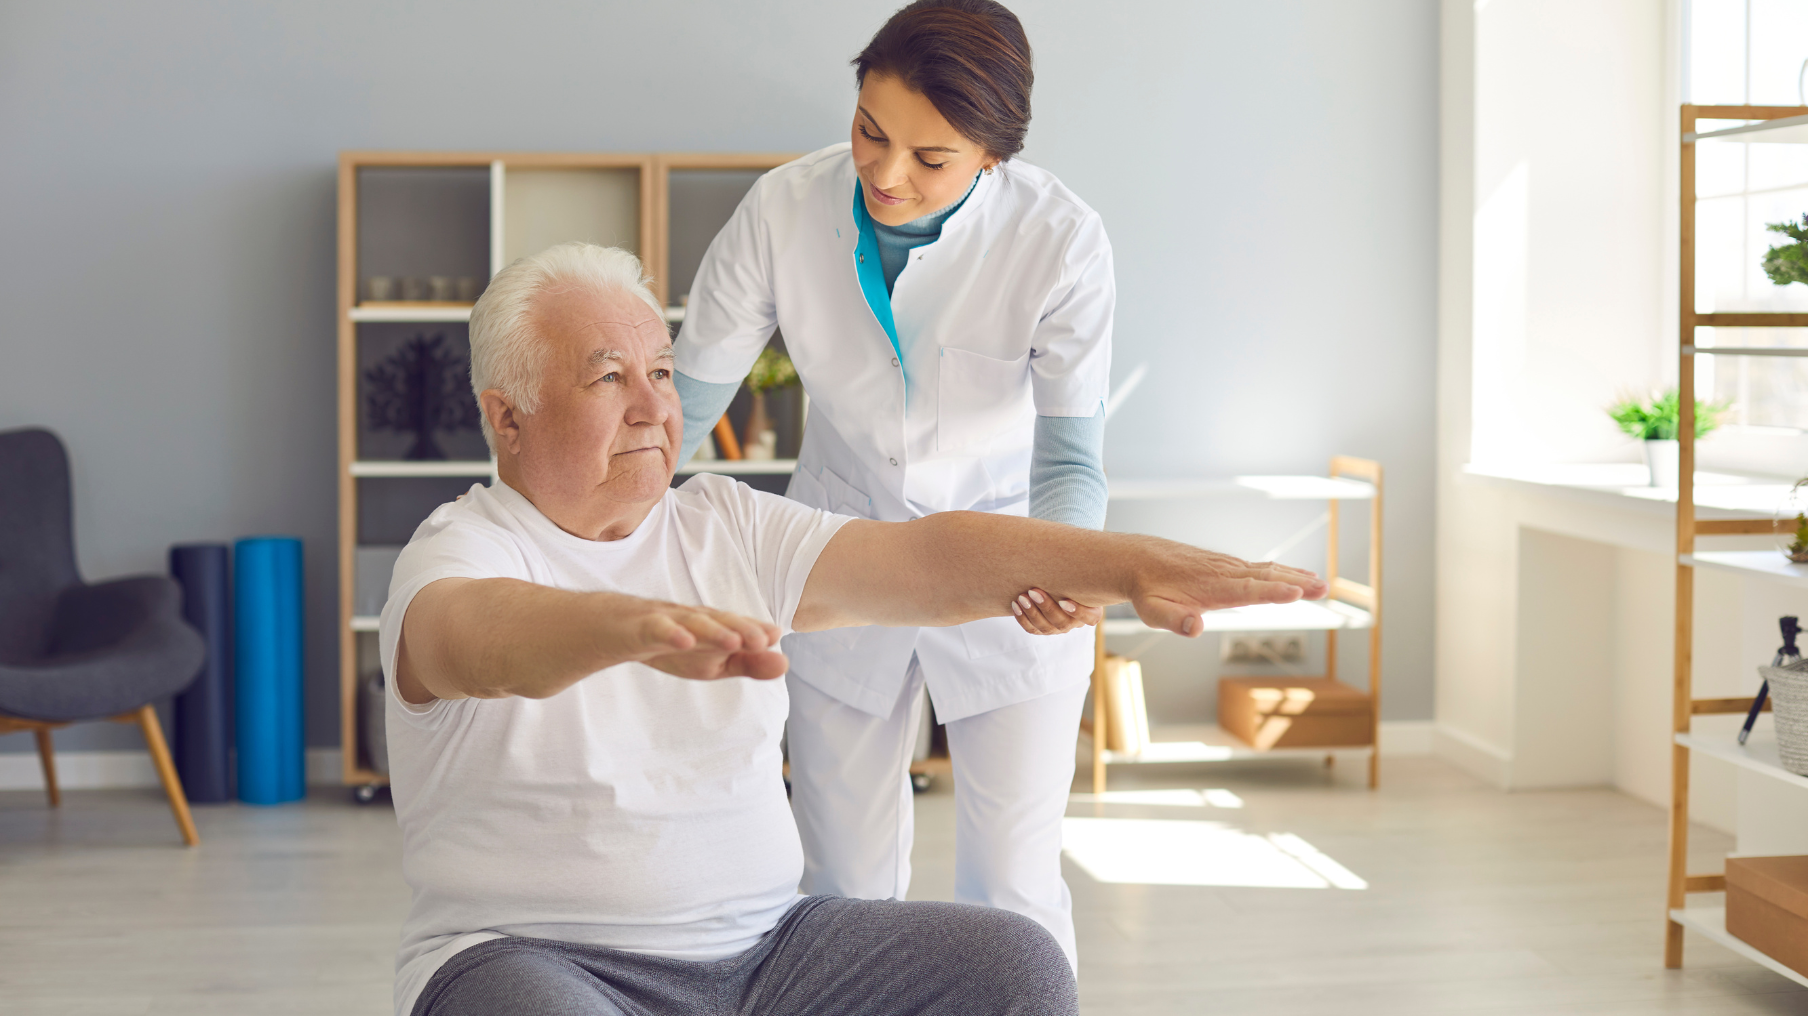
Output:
[[166, 771], [47, 758]]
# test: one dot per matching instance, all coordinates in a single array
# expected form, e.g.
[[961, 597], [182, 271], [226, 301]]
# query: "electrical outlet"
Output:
[[1262, 647]]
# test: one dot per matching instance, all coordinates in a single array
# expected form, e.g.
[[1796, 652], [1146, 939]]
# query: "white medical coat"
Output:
[[1005, 316]]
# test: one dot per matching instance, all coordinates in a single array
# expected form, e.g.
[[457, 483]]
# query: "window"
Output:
[[1748, 52]]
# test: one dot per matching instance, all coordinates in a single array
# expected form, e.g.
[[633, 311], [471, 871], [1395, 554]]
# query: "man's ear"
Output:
[[504, 419]]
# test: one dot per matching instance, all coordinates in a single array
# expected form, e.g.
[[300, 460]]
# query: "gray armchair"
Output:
[[72, 652]]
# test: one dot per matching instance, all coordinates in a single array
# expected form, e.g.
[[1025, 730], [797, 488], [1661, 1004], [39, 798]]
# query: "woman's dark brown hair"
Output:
[[969, 58]]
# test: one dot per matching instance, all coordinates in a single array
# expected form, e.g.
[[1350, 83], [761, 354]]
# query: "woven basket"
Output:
[[1789, 698]]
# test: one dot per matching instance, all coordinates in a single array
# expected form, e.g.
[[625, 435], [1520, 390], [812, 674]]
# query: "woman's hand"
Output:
[[1043, 614]]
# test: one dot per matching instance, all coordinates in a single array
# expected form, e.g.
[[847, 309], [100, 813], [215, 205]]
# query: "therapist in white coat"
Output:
[[949, 313]]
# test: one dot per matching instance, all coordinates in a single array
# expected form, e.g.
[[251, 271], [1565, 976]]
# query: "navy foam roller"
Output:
[[203, 713], [267, 605]]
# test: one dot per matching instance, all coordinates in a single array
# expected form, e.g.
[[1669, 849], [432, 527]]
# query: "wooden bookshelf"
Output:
[[468, 214], [1771, 124]]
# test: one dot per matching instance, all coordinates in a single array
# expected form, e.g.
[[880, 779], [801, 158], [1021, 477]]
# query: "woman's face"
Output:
[[910, 161]]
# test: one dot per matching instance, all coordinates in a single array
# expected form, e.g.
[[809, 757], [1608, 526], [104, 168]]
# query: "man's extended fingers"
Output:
[[754, 635], [661, 631], [709, 631], [763, 665]]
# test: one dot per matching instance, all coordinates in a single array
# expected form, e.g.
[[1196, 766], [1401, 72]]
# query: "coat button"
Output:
[[863, 259], [894, 462], [894, 361]]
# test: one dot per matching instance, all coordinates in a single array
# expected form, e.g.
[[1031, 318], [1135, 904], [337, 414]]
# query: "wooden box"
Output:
[[1280, 712], [1767, 906]]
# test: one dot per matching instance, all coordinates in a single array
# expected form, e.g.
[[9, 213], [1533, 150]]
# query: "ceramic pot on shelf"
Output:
[[761, 441], [1662, 461]]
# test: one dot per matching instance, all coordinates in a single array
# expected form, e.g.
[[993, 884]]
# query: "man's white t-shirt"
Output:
[[634, 810]]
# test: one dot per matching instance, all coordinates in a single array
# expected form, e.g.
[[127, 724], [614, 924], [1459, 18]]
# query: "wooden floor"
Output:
[[1477, 901]]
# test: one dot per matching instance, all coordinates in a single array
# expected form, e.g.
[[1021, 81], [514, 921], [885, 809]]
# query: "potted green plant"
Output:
[[1788, 262], [1655, 422], [1791, 523], [772, 370]]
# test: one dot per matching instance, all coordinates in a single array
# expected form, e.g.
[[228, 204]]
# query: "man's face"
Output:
[[607, 431]]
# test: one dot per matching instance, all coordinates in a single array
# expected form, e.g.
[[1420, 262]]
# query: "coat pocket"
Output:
[[827, 490], [979, 397]]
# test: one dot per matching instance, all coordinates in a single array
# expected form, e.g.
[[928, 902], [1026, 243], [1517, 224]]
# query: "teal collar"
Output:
[[871, 274]]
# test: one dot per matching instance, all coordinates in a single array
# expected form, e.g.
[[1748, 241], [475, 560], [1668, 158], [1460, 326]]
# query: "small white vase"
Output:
[[1661, 460]]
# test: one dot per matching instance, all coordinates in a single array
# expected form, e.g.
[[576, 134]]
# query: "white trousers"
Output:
[[1013, 769]]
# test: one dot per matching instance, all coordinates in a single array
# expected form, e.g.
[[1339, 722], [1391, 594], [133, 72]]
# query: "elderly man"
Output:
[[592, 811]]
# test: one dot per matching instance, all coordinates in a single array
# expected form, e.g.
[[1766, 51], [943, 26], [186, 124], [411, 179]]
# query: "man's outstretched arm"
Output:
[[491, 638], [954, 567]]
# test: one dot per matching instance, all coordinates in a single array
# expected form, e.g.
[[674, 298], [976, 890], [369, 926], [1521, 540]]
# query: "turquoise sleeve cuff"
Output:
[[704, 403], [1067, 470]]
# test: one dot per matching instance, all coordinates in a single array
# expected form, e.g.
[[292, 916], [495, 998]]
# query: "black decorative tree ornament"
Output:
[[421, 388]]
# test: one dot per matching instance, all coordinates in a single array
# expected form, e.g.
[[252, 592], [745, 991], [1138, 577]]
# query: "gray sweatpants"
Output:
[[828, 957]]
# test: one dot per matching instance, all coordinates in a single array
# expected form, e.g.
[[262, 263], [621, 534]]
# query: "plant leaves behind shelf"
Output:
[[1789, 262], [421, 388], [772, 370], [1660, 417]]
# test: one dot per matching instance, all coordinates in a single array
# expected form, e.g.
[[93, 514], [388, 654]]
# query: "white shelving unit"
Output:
[[1351, 606]]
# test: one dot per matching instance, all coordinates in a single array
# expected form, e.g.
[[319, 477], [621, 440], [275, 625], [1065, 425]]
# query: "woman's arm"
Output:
[[704, 403], [1067, 470]]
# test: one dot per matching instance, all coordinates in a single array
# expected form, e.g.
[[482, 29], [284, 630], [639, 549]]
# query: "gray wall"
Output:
[[1266, 172]]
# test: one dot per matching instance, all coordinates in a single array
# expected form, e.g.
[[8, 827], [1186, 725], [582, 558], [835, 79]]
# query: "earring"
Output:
[[988, 170]]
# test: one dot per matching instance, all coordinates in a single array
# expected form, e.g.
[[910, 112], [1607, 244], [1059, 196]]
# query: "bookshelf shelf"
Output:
[[370, 467], [1766, 563], [409, 312], [363, 622], [739, 467], [1711, 922], [1758, 756], [1754, 350]]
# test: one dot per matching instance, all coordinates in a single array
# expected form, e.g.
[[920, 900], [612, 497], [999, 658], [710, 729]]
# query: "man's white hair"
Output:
[[506, 354]]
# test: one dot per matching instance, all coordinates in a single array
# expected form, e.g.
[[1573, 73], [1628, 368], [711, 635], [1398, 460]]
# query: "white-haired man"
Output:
[[593, 817]]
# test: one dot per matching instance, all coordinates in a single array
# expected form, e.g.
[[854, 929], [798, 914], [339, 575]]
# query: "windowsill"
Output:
[[1626, 485]]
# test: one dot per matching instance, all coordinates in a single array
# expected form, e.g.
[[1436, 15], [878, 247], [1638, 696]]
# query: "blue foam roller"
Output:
[[267, 635], [203, 713]]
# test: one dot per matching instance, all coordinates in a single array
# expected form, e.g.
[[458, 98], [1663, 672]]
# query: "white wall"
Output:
[[1266, 172], [1551, 296]]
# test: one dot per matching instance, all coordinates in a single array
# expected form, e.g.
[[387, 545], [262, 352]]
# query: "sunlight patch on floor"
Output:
[[1182, 798], [1141, 851]]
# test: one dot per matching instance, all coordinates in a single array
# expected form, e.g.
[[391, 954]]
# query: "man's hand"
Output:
[[1042, 613], [492, 638], [953, 567], [699, 643], [1189, 581]]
